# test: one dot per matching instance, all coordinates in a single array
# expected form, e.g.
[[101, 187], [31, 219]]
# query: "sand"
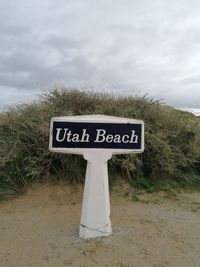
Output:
[[40, 228]]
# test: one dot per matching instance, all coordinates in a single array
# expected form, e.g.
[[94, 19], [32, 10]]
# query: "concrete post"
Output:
[[95, 217]]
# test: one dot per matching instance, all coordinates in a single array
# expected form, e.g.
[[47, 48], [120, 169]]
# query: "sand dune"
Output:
[[41, 229]]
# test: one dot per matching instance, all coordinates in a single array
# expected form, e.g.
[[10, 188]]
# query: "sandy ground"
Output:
[[40, 228]]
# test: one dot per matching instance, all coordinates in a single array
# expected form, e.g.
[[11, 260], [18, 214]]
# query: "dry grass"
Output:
[[172, 142]]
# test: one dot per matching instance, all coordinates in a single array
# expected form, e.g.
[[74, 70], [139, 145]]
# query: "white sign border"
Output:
[[95, 119]]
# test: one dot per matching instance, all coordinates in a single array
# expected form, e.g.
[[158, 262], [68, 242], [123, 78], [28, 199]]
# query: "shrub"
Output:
[[172, 141]]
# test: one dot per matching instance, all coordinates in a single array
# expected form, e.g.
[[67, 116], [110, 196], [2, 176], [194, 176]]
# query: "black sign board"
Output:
[[66, 134]]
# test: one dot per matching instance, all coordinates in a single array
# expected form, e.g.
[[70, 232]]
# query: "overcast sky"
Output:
[[130, 46]]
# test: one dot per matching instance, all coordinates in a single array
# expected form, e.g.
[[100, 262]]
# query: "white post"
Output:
[[96, 137], [95, 216]]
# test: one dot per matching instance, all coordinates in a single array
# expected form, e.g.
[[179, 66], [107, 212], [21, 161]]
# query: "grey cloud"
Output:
[[135, 45], [60, 41], [195, 79]]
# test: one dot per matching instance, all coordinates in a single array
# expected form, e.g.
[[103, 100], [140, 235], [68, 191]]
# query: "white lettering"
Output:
[[109, 138], [123, 138], [75, 138], [100, 134], [117, 138], [134, 138], [85, 136], [58, 138], [68, 136]]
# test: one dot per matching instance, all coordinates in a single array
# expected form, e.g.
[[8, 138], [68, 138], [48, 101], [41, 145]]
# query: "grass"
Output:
[[172, 143]]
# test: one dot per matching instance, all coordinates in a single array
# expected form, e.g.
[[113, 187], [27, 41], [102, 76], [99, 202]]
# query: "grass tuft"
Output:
[[172, 142]]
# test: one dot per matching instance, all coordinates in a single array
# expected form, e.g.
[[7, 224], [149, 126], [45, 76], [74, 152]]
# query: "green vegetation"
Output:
[[172, 143]]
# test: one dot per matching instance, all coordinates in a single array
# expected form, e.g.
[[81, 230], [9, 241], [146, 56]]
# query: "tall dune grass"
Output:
[[172, 142]]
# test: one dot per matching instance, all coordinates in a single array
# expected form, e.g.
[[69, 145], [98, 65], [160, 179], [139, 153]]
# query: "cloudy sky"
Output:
[[129, 46]]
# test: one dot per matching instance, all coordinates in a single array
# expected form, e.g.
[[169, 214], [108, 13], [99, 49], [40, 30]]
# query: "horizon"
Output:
[[194, 110]]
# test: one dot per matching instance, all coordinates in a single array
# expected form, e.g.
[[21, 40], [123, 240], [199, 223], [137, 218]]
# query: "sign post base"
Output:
[[95, 217]]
